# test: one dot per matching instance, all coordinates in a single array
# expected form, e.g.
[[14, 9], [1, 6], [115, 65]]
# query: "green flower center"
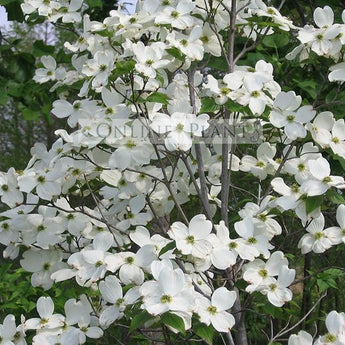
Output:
[[272, 287], [263, 273], [99, 263], [4, 187], [190, 239], [119, 302], [174, 14], [102, 67], [204, 39], [290, 118], [295, 188], [76, 172], [40, 228], [44, 321], [224, 90], [327, 179], [5, 226], [319, 37], [122, 183], [330, 338], [130, 215], [252, 240], [41, 179], [318, 235], [130, 144], [262, 217], [233, 245], [76, 105], [179, 127], [109, 111], [184, 42], [166, 299], [301, 167], [212, 310], [129, 260]]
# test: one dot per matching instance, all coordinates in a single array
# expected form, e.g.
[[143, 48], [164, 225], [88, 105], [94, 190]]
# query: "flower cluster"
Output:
[[326, 39], [335, 326], [130, 202]]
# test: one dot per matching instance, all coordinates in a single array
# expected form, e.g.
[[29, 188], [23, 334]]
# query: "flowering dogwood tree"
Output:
[[184, 165]]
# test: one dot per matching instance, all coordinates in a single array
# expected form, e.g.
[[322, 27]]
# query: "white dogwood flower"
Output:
[[302, 338], [192, 239], [319, 239], [320, 179], [214, 311], [181, 128], [287, 113]]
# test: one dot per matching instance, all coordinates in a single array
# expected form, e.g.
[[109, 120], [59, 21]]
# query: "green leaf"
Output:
[[4, 268], [341, 160], [124, 67], [218, 63], [5, 47], [174, 321], [322, 285], [330, 274], [6, 2], [335, 197], [158, 97], [139, 320], [234, 107], [208, 105], [313, 202], [276, 40], [30, 115], [261, 23], [3, 97], [15, 89], [169, 246], [40, 49], [176, 54], [14, 11], [105, 33], [204, 332], [289, 256], [309, 86], [94, 3], [139, 339]]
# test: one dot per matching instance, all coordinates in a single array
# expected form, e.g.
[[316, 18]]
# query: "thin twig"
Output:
[[201, 168], [285, 331]]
